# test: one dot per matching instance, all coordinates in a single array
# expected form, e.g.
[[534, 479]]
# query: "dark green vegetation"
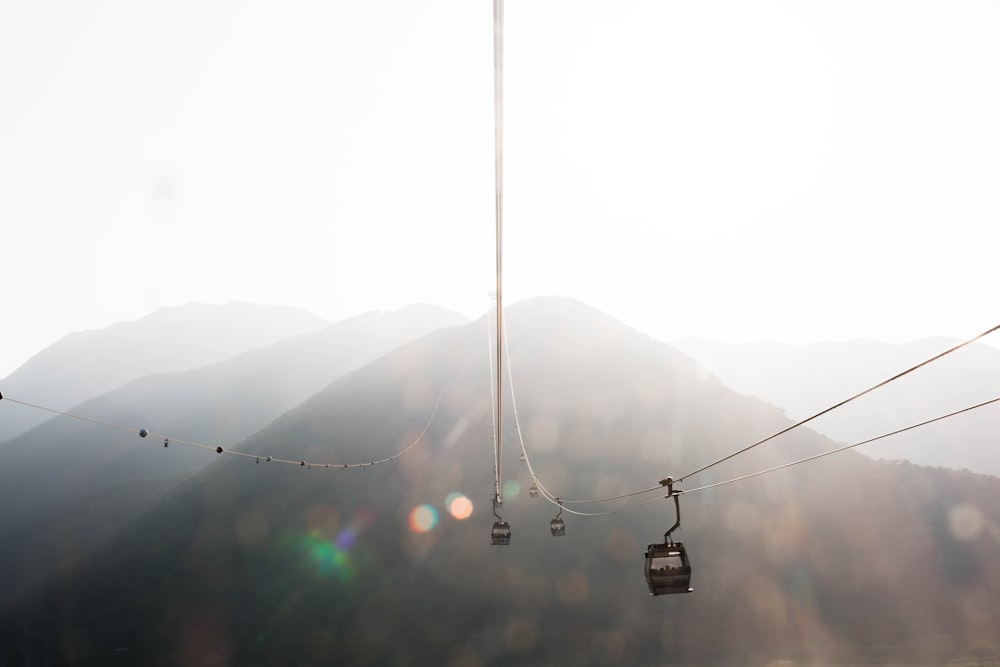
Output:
[[840, 560]]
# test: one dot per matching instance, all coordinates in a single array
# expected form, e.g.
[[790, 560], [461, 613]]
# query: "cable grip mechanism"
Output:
[[675, 494]]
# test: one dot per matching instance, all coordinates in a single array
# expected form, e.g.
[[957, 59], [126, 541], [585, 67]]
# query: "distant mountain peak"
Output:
[[89, 363]]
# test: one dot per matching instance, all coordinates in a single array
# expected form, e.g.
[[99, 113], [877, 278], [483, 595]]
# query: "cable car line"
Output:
[[785, 465], [793, 463], [548, 495], [169, 439], [658, 487], [498, 187], [500, 534], [668, 569], [493, 401], [841, 403], [561, 502], [840, 449], [663, 482], [666, 482], [620, 510], [66, 414], [795, 425]]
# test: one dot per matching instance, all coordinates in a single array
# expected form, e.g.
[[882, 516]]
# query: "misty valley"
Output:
[[121, 550]]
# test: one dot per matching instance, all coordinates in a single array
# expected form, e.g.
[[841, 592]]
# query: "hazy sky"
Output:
[[792, 171]]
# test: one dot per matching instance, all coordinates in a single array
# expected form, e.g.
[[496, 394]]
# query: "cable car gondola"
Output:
[[533, 491], [668, 569], [500, 534], [557, 526]]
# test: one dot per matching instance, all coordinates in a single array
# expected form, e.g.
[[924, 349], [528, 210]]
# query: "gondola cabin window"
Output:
[[668, 563]]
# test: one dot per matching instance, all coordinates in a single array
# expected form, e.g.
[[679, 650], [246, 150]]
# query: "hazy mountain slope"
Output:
[[87, 364], [842, 560], [804, 379], [64, 462]]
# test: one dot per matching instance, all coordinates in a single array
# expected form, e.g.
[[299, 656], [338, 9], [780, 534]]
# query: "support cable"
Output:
[[800, 423], [551, 498], [794, 463], [548, 495], [840, 449], [498, 183], [561, 502], [493, 404], [170, 440], [843, 402]]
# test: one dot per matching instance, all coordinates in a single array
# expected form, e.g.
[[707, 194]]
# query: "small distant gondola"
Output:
[[668, 569], [557, 526], [533, 491]]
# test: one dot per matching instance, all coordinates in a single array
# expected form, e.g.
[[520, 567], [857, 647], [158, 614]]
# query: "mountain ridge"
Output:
[[248, 563], [86, 364], [218, 404]]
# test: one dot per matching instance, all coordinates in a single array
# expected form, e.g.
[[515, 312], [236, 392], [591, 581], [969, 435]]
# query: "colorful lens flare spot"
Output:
[[423, 519], [328, 558], [511, 488], [327, 549], [459, 505], [346, 539]]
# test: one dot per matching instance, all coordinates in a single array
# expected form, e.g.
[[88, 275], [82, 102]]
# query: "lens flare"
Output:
[[327, 558], [511, 488], [423, 518], [458, 505], [346, 538], [326, 550]]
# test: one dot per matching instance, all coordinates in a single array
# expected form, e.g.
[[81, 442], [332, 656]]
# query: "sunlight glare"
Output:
[[423, 518], [459, 505], [965, 522]]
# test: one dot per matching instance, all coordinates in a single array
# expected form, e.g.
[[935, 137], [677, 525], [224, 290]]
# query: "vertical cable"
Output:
[[498, 173], [493, 401]]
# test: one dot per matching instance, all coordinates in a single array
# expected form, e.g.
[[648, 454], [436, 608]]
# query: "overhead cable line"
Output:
[[498, 190], [517, 423], [776, 468], [66, 414], [618, 497], [170, 440], [785, 465], [800, 423], [840, 449], [548, 495], [500, 533], [620, 510], [562, 502], [841, 403], [493, 403]]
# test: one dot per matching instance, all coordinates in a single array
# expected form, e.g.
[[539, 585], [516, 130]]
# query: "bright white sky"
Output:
[[791, 171]]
